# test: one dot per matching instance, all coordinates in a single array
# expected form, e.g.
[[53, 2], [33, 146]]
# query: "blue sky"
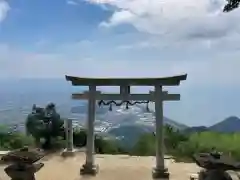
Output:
[[147, 38]]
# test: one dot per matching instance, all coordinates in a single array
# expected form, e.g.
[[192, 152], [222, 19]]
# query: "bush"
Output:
[[183, 147], [177, 144], [58, 143], [14, 140], [145, 146], [102, 146], [79, 137], [19, 140]]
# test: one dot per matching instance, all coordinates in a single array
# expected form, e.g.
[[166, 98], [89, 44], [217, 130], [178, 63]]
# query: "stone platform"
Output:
[[117, 167]]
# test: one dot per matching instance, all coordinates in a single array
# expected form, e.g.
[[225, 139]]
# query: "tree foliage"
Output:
[[44, 123], [102, 145], [183, 146], [231, 5], [13, 140], [145, 146]]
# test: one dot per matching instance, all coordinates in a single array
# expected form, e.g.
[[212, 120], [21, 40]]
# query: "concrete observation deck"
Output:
[[113, 167]]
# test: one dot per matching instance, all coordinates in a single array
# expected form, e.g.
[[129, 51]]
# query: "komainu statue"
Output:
[[216, 166]]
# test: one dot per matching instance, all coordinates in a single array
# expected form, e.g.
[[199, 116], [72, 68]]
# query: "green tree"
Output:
[[11, 139], [145, 146], [79, 137], [231, 5], [173, 137], [44, 123], [102, 146]]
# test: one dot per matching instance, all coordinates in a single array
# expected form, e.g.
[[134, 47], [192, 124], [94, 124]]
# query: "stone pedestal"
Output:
[[23, 163], [22, 172], [68, 153], [89, 169], [158, 173]]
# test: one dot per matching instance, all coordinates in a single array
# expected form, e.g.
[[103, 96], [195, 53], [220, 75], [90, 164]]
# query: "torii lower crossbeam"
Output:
[[130, 97]]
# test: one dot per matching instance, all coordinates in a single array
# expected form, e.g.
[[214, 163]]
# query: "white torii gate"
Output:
[[158, 96]]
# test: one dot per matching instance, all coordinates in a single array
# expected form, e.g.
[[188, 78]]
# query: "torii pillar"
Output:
[[90, 167], [160, 171]]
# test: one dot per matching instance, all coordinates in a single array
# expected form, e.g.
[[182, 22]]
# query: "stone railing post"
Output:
[[69, 151]]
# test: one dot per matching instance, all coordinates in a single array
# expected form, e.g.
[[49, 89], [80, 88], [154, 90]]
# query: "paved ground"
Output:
[[117, 167]]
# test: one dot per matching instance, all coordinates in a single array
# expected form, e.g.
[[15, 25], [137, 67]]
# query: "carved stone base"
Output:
[[216, 175], [67, 153], [160, 173], [89, 169], [26, 173]]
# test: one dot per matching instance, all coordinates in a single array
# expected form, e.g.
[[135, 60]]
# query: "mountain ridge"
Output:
[[230, 124]]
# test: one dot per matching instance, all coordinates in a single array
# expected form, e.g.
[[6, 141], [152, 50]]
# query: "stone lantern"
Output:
[[23, 164]]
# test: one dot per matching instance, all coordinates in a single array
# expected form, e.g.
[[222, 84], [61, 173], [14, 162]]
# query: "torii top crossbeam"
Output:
[[164, 81]]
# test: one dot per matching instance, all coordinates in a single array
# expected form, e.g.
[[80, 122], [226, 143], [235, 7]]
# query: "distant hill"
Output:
[[129, 125], [228, 125]]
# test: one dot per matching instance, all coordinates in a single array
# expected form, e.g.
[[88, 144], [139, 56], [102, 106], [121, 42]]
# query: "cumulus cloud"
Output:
[[4, 8], [72, 2], [139, 45], [185, 18]]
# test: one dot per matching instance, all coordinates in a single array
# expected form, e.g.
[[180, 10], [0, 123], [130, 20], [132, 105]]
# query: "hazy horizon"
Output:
[[183, 111]]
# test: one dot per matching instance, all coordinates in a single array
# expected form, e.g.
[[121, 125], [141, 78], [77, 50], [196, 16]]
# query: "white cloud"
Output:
[[19, 64], [139, 45], [185, 18], [4, 8], [72, 2], [119, 18]]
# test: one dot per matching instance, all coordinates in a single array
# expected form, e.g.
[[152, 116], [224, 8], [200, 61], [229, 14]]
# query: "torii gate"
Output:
[[157, 96]]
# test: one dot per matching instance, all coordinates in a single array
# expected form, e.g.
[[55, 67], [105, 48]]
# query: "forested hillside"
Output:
[[45, 129]]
